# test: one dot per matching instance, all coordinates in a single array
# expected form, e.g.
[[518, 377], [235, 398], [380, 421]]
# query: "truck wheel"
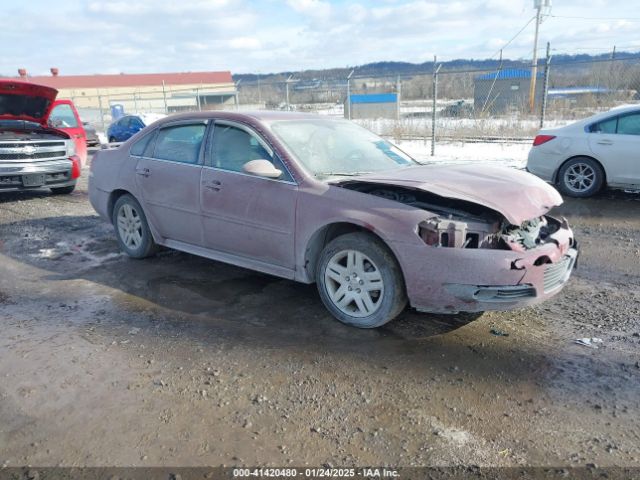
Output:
[[63, 190], [360, 281], [132, 229]]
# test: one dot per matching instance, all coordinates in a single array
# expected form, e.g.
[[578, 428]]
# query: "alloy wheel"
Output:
[[354, 283], [579, 177], [130, 227]]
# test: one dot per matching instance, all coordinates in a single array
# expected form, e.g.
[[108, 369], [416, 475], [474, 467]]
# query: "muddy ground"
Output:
[[179, 360]]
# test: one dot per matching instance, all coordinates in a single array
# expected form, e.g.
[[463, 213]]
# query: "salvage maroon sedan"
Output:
[[322, 200]]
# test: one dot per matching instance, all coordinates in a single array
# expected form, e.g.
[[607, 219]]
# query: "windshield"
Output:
[[338, 147]]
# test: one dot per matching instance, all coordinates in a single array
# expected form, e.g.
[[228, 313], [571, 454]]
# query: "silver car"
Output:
[[586, 156]]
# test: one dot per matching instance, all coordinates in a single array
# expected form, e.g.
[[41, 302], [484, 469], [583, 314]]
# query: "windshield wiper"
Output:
[[340, 174]]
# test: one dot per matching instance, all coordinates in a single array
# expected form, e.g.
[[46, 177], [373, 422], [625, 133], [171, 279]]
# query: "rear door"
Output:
[[168, 173], [64, 116], [616, 143]]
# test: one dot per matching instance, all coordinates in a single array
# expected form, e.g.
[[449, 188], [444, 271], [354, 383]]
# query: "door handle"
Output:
[[605, 142], [214, 185], [145, 172]]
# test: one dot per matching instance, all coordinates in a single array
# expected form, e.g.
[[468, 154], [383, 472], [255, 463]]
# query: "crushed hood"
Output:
[[516, 194], [25, 101]]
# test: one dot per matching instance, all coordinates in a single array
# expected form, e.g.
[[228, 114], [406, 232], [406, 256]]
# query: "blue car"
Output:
[[124, 128]]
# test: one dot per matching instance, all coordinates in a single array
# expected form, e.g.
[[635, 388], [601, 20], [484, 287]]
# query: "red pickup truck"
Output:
[[42, 140]]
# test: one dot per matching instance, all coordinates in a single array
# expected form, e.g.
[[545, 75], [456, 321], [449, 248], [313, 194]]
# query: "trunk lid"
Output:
[[25, 101], [516, 194]]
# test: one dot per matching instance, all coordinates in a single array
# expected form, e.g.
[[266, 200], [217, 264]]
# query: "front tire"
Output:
[[581, 177], [360, 281], [132, 229]]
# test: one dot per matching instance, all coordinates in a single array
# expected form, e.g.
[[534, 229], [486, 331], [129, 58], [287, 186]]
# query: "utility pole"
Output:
[[534, 65], [542, 7]]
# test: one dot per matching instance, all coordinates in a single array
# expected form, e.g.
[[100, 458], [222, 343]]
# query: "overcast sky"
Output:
[[90, 36]]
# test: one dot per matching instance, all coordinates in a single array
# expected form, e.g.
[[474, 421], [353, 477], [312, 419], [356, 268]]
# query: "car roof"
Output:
[[613, 111], [250, 116]]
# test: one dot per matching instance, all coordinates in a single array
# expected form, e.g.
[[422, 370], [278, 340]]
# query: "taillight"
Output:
[[540, 139], [75, 166]]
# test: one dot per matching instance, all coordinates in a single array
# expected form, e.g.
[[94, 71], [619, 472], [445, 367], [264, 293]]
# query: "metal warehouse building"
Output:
[[149, 92], [373, 105], [505, 90]]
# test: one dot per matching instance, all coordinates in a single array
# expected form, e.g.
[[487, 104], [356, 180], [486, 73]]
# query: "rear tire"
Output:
[[132, 229], [360, 281], [63, 190], [581, 177]]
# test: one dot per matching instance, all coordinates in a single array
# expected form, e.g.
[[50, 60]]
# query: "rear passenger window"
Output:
[[180, 143], [606, 126]]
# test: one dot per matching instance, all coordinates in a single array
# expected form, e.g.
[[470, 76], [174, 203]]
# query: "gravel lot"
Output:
[[179, 360]]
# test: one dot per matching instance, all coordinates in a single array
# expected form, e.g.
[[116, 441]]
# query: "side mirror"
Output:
[[261, 168]]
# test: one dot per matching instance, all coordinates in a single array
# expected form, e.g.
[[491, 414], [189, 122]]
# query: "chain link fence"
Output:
[[504, 103]]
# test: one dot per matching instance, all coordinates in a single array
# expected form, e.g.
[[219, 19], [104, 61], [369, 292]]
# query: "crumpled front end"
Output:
[[466, 255], [473, 265]]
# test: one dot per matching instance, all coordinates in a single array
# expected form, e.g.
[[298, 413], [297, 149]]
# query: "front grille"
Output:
[[32, 150], [506, 293], [37, 155], [515, 293], [555, 274], [56, 143]]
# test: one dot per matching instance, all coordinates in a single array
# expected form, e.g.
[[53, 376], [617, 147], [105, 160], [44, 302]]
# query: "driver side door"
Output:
[[245, 215]]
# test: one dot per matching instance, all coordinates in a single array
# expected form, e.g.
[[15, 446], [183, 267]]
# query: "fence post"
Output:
[[286, 84], [164, 97], [545, 87], [349, 95], [104, 129], [433, 110], [398, 97]]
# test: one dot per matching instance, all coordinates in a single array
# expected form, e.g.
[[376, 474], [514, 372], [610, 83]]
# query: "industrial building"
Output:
[[147, 92], [372, 105], [505, 90]]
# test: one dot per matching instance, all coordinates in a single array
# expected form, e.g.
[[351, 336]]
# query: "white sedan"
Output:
[[584, 157]]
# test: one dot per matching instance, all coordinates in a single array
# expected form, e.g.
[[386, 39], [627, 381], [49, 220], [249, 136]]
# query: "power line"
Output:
[[515, 36], [632, 19]]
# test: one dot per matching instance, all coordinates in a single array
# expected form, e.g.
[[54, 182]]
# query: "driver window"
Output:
[[62, 116], [232, 147]]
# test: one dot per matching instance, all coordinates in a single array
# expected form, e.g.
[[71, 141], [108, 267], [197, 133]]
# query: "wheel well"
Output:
[[113, 198], [327, 233], [556, 178]]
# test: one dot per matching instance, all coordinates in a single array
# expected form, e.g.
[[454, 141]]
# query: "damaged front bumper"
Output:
[[554, 277], [450, 280]]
